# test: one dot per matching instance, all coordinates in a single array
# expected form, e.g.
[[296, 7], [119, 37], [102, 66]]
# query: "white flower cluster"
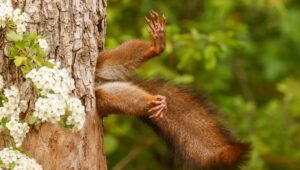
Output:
[[52, 80], [8, 156], [8, 2], [77, 117], [55, 86], [50, 108], [8, 14], [17, 130], [11, 110]]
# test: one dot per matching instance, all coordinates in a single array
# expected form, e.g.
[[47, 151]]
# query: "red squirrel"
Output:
[[188, 125]]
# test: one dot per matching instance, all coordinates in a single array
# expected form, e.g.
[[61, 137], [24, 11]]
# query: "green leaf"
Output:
[[67, 126], [32, 36], [25, 70], [63, 123], [19, 60], [4, 121], [32, 120], [13, 36], [210, 54], [12, 165], [3, 99], [20, 45], [18, 149], [36, 90], [38, 60], [186, 58], [34, 47], [10, 24], [111, 143], [48, 64], [68, 113], [40, 52], [37, 50], [12, 52], [210, 63]]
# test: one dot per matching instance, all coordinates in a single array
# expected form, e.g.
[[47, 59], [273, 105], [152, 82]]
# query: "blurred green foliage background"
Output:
[[243, 53]]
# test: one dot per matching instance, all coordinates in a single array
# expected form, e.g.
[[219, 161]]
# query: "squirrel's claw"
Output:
[[157, 27], [160, 105], [159, 114], [156, 24]]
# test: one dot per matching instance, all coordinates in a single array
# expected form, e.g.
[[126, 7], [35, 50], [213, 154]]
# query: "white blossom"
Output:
[[17, 130], [21, 28], [11, 110], [43, 44], [55, 106], [77, 117], [11, 107], [8, 156], [21, 161], [8, 14], [19, 19], [50, 108], [7, 2]]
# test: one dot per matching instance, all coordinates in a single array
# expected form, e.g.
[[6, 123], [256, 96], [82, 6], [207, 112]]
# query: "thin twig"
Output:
[[131, 156]]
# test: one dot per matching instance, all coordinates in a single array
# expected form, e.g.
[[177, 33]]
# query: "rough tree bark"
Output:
[[75, 31]]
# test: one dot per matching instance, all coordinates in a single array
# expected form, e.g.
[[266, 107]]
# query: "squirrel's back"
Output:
[[193, 132]]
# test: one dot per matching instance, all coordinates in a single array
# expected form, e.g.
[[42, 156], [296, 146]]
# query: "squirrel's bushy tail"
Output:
[[230, 157], [192, 130], [233, 155]]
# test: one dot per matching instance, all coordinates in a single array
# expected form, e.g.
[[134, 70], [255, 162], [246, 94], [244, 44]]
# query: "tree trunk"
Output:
[[75, 32]]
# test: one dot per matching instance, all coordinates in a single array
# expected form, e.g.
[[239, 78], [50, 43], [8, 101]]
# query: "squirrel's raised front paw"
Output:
[[159, 106], [157, 30]]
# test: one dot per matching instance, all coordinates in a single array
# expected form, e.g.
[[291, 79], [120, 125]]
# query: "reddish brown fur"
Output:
[[123, 97], [123, 59], [188, 125], [193, 131]]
